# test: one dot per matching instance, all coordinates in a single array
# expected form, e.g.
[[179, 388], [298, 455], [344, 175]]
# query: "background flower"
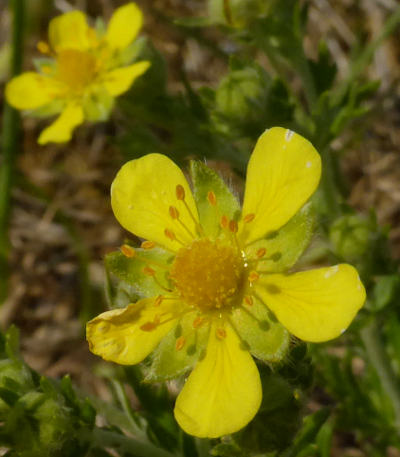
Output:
[[85, 69]]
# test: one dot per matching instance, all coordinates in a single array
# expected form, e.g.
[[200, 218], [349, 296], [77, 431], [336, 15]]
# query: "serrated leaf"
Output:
[[284, 247], [260, 333], [167, 361], [204, 180], [130, 270]]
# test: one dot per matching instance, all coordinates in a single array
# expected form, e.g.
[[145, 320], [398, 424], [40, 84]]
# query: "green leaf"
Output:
[[384, 292], [261, 334], [324, 69], [204, 180], [167, 361], [284, 247], [130, 270]]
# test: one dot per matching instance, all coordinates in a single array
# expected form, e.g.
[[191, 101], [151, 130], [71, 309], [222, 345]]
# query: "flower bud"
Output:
[[237, 13]]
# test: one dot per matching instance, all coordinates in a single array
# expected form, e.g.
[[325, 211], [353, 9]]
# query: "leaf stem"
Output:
[[126, 444], [9, 144], [376, 352]]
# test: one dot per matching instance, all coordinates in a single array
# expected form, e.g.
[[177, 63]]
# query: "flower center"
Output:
[[207, 274], [76, 68]]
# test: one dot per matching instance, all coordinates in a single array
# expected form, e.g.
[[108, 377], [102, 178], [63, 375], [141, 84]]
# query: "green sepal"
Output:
[[284, 247], [167, 361], [97, 105], [261, 334], [204, 180], [51, 109], [44, 64], [130, 270]]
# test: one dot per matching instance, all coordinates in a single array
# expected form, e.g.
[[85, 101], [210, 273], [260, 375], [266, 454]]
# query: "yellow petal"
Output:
[[124, 26], [223, 393], [60, 131], [315, 305], [283, 172], [117, 335], [142, 194], [120, 80], [31, 90], [69, 31]]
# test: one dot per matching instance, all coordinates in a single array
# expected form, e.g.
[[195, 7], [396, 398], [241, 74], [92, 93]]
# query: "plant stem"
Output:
[[9, 144], [107, 439], [377, 354]]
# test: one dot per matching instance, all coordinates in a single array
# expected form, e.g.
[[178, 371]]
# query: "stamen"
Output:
[[180, 192], [173, 212], [224, 222], [249, 217], [43, 48], [128, 251], [253, 276], [261, 253], [158, 300], [220, 333], [171, 235], [180, 342], [148, 245], [248, 300], [198, 322], [149, 271], [233, 226], [148, 326], [212, 199]]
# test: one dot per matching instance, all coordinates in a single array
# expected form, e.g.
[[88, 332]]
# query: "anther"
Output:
[[233, 226], [148, 326], [253, 276], [180, 342], [212, 199], [224, 222], [248, 300], [128, 251], [148, 245], [261, 252], [43, 47], [173, 212], [158, 300], [198, 322], [149, 271], [170, 234], [220, 333], [180, 192], [249, 217]]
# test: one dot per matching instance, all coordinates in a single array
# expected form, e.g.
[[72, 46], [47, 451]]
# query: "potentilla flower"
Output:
[[84, 70], [214, 278]]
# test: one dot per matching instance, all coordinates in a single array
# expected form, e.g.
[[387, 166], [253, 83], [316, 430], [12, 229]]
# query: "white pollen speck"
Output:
[[342, 331], [308, 164], [332, 271], [358, 286], [130, 207], [288, 135]]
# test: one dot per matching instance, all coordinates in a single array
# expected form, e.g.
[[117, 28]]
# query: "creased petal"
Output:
[[117, 335], [223, 393], [124, 26], [283, 172], [142, 194], [60, 131], [120, 80], [69, 31], [315, 305], [31, 90]]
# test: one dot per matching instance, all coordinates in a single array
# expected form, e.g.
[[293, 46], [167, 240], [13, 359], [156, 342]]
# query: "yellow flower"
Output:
[[85, 70], [222, 292]]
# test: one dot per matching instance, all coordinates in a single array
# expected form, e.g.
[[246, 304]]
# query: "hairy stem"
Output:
[[9, 143]]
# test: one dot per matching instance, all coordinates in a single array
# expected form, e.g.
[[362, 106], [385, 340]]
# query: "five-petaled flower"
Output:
[[219, 280], [85, 69]]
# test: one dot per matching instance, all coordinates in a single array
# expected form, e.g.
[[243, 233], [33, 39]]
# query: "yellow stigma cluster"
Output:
[[207, 274], [76, 68]]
